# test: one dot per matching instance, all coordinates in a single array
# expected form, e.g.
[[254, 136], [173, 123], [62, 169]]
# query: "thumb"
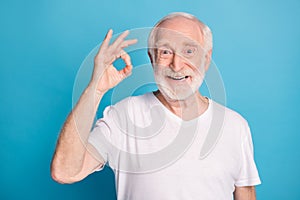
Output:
[[126, 71]]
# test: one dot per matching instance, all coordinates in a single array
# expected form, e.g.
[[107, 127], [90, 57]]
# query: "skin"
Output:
[[244, 193], [74, 158], [194, 105]]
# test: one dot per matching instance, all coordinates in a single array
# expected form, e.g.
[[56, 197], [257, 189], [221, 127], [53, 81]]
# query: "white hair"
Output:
[[205, 30]]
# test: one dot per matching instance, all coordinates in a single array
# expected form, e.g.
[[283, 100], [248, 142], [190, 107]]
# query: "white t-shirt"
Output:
[[157, 155]]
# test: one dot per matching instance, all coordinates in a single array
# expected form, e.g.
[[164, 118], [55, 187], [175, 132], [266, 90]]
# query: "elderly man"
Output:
[[155, 142]]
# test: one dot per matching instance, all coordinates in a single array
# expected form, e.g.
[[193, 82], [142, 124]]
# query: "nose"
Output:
[[177, 63]]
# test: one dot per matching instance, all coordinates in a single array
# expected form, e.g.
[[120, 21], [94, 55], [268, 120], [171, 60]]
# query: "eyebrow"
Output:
[[167, 43], [162, 43], [192, 44]]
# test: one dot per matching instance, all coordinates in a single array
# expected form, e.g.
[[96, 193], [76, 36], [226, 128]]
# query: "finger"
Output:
[[124, 44], [107, 37], [126, 58], [126, 71], [127, 43], [120, 39], [106, 40]]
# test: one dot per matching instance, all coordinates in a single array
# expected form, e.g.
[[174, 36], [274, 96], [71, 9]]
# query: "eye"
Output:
[[165, 52], [189, 51]]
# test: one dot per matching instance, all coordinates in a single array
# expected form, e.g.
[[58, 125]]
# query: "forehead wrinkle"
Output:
[[162, 42], [186, 43], [171, 36]]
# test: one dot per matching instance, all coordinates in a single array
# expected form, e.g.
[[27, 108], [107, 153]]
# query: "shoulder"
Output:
[[229, 116], [140, 101], [233, 125], [131, 107]]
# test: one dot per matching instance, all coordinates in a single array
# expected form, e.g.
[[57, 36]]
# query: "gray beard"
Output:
[[179, 92]]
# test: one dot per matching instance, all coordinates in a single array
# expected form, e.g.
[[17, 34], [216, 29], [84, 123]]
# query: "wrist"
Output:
[[94, 86], [92, 90]]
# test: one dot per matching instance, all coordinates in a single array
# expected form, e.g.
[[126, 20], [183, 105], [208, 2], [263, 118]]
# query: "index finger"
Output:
[[126, 58], [120, 38]]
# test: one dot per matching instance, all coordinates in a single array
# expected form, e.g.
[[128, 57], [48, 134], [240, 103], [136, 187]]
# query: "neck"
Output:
[[186, 109]]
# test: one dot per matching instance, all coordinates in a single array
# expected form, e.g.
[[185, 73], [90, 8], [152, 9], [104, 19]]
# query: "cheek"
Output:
[[158, 69], [197, 65], [163, 62], [191, 65], [195, 61]]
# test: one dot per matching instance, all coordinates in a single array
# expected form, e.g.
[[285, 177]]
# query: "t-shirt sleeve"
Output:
[[99, 136], [107, 136], [248, 175]]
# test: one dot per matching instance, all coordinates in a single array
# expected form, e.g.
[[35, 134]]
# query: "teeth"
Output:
[[178, 77]]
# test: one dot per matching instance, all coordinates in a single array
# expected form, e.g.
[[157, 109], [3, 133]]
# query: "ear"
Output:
[[207, 59], [150, 57]]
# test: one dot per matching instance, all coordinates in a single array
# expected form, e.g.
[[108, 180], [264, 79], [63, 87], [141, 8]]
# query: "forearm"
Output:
[[71, 161], [245, 193], [71, 145]]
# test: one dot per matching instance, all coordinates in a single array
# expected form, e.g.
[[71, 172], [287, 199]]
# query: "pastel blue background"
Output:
[[43, 43]]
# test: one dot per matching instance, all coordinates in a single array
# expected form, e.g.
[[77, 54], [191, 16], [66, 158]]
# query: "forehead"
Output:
[[179, 30]]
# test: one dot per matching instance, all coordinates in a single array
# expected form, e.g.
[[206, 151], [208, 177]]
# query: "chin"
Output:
[[177, 95], [180, 90]]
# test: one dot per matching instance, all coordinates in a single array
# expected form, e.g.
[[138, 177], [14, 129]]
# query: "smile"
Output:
[[178, 78]]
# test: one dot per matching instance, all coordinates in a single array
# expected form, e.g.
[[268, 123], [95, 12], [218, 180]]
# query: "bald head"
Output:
[[183, 27]]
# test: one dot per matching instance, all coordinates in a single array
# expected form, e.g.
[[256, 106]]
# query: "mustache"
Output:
[[169, 72]]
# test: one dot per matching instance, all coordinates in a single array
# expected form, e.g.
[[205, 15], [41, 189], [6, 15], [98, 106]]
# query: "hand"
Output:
[[105, 75]]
